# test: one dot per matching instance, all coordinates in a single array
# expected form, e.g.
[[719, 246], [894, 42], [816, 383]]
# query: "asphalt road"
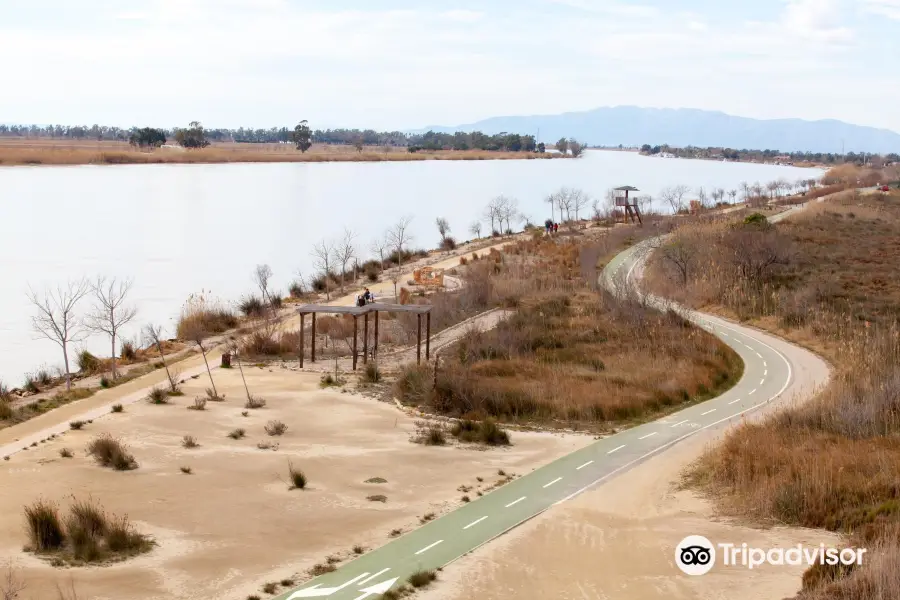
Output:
[[767, 373]]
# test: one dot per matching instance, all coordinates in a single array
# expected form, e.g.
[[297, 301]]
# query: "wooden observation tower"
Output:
[[628, 204]]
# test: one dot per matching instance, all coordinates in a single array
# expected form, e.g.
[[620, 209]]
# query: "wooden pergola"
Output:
[[364, 311]]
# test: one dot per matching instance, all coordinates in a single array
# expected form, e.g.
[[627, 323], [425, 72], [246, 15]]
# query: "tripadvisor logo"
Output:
[[696, 555]]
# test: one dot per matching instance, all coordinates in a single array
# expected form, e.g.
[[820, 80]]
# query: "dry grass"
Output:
[[12, 416], [570, 355], [834, 462], [201, 317], [111, 452], [39, 151]]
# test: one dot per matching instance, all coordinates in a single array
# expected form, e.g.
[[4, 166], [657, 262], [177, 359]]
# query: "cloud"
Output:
[[463, 16], [610, 7], [818, 20], [884, 8]]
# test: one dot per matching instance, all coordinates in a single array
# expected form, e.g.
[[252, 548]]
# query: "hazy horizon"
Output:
[[404, 65]]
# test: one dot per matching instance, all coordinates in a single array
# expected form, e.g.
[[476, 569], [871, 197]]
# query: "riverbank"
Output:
[[40, 151]]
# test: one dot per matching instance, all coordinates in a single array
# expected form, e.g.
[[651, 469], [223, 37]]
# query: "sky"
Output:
[[405, 64]]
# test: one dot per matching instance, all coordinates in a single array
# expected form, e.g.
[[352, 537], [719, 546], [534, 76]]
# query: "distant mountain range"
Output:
[[634, 126]]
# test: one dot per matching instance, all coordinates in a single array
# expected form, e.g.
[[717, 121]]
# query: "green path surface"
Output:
[[767, 374]]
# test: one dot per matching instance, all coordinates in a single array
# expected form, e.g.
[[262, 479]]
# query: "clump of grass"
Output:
[[501, 473], [396, 533], [253, 597], [88, 363], [199, 404], [357, 549], [128, 351], [112, 453], [321, 569], [237, 434], [270, 587], [65, 453], [372, 374], [296, 477], [330, 380], [252, 306], [254, 403], [427, 517], [333, 560], [430, 434], [421, 579], [158, 395], [275, 427], [76, 425], [377, 498], [466, 499], [187, 470], [376, 480], [214, 397], [245, 413], [44, 526], [287, 582], [484, 432], [117, 408], [189, 441], [105, 383], [6, 411]]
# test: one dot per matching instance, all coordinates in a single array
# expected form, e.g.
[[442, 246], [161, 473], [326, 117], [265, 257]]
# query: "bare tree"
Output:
[[399, 236], [153, 336], [772, 187], [475, 229], [56, 318], [579, 201], [492, 211], [443, 227], [344, 253], [681, 252], [508, 210], [379, 246], [702, 197], [323, 260], [674, 197], [551, 200], [576, 148], [745, 190], [644, 203], [564, 202], [10, 584], [733, 193], [262, 276], [110, 313]]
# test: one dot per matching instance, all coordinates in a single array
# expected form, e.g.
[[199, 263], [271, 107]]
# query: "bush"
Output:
[[186, 470], [6, 411], [270, 588], [421, 579], [413, 386], [448, 243], [121, 537], [65, 453], [76, 425], [296, 477], [205, 317], [112, 453], [276, 300], [199, 404], [252, 306], [296, 289], [275, 428], [189, 441], [104, 382], [128, 351], [486, 432], [253, 402], [44, 527], [117, 408], [237, 434], [372, 373], [430, 434], [31, 385], [329, 380], [88, 363], [321, 569], [158, 395]]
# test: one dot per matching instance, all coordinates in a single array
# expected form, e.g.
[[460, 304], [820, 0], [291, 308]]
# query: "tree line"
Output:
[[869, 159]]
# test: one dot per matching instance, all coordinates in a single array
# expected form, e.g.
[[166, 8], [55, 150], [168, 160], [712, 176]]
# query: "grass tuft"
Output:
[[117, 408], [421, 579], [296, 477], [275, 427], [112, 453], [237, 434]]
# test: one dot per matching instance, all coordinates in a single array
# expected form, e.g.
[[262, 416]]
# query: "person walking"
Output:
[[367, 296]]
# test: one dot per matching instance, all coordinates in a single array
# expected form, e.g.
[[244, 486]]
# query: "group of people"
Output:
[[550, 227], [366, 297]]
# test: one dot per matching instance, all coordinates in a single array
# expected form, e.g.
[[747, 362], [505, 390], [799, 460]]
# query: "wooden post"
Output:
[[354, 342], [366, 339], [427, 336], [419, 340], [313, 349], [375, 343], [302, 349]]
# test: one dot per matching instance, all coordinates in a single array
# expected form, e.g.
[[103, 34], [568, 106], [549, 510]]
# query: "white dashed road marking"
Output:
[[475, 522], [368, 579], [761, 381], [552, 482], [648, 435], [680, 423], [707, 412], [429, 547], [753, 392], [735, 401], [616, 449], [514, 502], [584, 465]]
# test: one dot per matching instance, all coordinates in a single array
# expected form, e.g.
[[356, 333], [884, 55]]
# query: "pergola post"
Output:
[[375, 343], [428, 336], [419, 339], [302, 348], [354, 341], [366, 339], [313, 350]]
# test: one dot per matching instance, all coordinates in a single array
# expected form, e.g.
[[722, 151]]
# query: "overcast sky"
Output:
[[408, 63]]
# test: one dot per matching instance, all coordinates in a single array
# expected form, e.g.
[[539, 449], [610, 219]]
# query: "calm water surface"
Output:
[[177, 229]]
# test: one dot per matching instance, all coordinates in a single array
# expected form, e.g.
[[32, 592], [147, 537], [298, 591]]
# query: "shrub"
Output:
[[43, 376], [104, 382], [237, 434], [287, 582], [6, 411], [330, 380], [270, 588], [275, 428], [396, 532], [117, 408], [253, 402], [213, 397], [297, 477], [276, 300], [372, 373], [88, 363], [431, 434], [76, 424], [44, 527], [448, 243], [252, 306], [65, 453], [199, 404], [207, 317], [187, 470], [296, 289], [413, 385], [486, 432], [121, 537], [421, 579], [88, 517], [321, 569], [357, 549], [189, 441], [30, 385], [427, 517], [158, 395], [377, 498], [128, 351], [112, 453], [463, 261]]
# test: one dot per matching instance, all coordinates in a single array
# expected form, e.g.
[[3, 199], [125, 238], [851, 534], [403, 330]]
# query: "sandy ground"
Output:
[[618, 540], [232, 524]]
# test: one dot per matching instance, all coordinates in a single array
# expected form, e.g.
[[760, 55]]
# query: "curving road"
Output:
[[767, 374]]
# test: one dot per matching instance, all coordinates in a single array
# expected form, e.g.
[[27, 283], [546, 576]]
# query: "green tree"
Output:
[[562, 145], [192, 137], [301, 136], [541, 148], [576, 148], [147, 137]]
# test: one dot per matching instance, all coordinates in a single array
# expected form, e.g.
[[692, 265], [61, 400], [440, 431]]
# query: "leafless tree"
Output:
[[576, 148], [194, 329], [262, 276], [399, 236], [718, 195], [508, 210], [674, 197], [681, 252], [754, 250], [475, 229], [733, 193], [56, 318], [10, 584], [492, 212], [443, 227], [344, 253], [564, 202], [746, 190], [702, 197], [644, 203], [772, 188], [380, 246], [579, 201], [323, 259], [110, 313], [153, 336], [551, 200]]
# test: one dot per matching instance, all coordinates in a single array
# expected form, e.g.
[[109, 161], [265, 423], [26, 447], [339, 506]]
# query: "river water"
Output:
[[180, 229]]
